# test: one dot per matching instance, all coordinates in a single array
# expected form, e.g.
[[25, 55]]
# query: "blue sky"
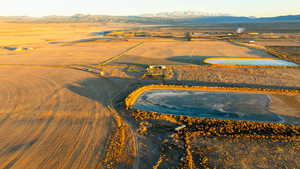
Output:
[[135, 7]]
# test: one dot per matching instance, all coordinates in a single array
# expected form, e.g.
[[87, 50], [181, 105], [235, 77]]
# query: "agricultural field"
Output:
[[65, 54], [278, 43], [42, 117], [292, 50], [55, 44], [64, 87], [291, 53], [178, 53], [172, 50], [31, 33]]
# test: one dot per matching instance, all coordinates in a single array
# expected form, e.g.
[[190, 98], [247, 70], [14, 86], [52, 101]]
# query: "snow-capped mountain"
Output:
[[183, 14]]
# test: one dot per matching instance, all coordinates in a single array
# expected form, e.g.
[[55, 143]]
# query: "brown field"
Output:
[[227, 153], [61, 117], [73, 54], [54, 117], [182, 52], [196, 48], [262, 76], [290, 53], [30, 34], [37, 37], [292, 50], [283, 42], [46, 125]]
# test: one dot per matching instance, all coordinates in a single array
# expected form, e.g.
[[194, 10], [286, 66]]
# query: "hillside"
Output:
[[172, 18], [183, 14]]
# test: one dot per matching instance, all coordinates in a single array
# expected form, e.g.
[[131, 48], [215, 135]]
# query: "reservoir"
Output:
[[210, 104], [249, 61]]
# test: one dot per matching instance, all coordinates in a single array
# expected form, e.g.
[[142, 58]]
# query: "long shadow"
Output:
[[25, 145], [98, 89], [199, 60], [102, 90], [254, 51], [10, 48], [91, 39], [259, 53], [112, 91], [196, 60], [142, 61], [103, 33], [91, 88], [130, 64]]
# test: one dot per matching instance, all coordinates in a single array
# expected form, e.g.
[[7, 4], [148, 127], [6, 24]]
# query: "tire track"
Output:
[[67, 129], [121, 54], [112, 99]]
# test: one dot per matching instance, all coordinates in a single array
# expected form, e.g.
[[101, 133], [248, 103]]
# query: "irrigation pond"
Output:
[[249, 62], [213, 104]]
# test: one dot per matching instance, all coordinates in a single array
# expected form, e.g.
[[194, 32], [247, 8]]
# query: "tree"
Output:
[[188, 36]]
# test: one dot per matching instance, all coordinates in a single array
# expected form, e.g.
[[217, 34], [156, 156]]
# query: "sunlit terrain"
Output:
[[64, 89]]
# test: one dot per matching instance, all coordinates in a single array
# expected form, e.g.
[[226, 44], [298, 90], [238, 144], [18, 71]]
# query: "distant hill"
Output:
[[171, 18], [198, 17], [279, 18], [182, 14], [228, 19]]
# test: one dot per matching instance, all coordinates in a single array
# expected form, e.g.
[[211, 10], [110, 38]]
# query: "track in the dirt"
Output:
[[55, 116], [113, 97], [122, 53], [52, 118]]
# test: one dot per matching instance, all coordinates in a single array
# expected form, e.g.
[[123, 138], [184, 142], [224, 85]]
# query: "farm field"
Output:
[[255, 153], [293, 50], [73, 54], [278, 42], [263, 76], [290, 53], [41, 33], [174, 51], [43, 119], [59, 115], [39, 36], [178, 53], [62, 99]]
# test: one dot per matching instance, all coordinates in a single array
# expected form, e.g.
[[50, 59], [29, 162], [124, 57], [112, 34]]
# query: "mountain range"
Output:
[[183, 14], [177, 17]]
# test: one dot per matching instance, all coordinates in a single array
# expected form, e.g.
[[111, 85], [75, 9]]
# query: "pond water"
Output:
[[207, 104], [92, 39], [250, 61], [101, 33]]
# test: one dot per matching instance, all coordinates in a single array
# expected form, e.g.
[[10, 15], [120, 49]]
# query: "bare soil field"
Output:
[[245, 153], [279, 77], [39, 33], [292, 50], [278, 42], [60, 118], [174, 51], [291, 53], [38, 36], [52, 118], [72, 54]]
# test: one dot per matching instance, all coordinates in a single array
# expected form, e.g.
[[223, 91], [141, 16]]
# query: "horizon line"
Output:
[[141, 15]]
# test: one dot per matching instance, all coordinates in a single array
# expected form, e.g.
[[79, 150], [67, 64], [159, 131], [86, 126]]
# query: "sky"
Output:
[[258, 8]]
